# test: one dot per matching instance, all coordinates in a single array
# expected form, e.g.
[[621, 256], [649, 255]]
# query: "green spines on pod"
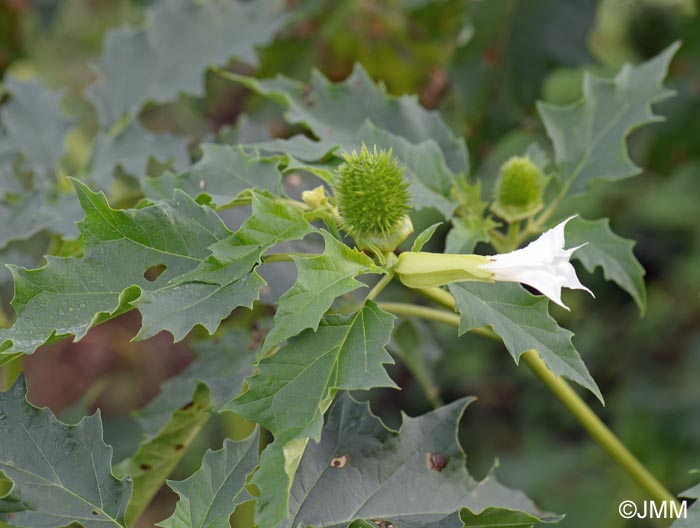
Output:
[[519, 189], [373, 198]]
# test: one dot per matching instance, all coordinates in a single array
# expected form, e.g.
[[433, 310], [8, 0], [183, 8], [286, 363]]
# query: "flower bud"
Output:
[[315, 198], [373, 199], [519, 189]]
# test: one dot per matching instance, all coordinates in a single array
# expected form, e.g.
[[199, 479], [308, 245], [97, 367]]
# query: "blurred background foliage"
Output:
[[484, 64]]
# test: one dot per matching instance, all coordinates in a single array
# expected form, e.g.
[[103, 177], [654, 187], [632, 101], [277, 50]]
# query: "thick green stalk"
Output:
[[559, 387], [596, 428]]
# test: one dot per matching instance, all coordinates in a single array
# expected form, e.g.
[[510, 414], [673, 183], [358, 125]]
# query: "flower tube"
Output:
[[543, 264]]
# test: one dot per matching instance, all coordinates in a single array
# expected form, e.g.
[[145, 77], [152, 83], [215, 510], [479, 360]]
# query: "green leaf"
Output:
[[24, 217], [294, 387], [522, 320], [589, 136], [221, 175], [692, 517], [131, 150], [321, 279], [221, 364], [466, 233], [415, 477], [209, 496], [160, 64], [68, 296], [61, 473], [609, 251], [424, 236], [157, 457], [225, 280], [35, 124], [335, 112]]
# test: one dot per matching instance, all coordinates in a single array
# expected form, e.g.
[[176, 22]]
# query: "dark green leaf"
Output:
[[225, 280], [209, 496], [34, 123], [70, 295], [157, 457], [24, 217], [131, 149], [61, 473], [589, 136], [523, 322], [609, 251], [221, 175], [321, 279], [157, 64], [363, 471], [466, 233], [335, 112], [294, 387]]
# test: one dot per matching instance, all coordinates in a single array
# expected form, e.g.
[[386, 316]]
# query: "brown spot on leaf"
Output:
[[179, 447], [146, 467], [436, 461], [340, 461]]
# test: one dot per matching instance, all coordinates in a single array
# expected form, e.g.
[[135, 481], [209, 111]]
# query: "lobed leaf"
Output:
[[131, 149], [35, 124], [523, 322], [220, 176], [320, 280], [294, 387], [68, 296], [692, 517], [24, 217], [362, 471], [589, 136], [226, 279], [209, 496], [609, 251], [335, 112], [157, 64], [156, 458], [61, 473]]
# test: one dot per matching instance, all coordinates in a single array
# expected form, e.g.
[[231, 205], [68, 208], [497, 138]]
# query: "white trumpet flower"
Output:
[[543, 264]]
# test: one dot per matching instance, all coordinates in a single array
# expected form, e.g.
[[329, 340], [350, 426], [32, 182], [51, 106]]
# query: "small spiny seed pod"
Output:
[[373, 198], [519, 189]]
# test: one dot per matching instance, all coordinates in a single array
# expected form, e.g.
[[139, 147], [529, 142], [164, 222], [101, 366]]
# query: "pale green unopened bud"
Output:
[[519, 189]]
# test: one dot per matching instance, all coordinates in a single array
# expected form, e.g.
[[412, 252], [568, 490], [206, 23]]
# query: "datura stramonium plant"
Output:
[[543, 264]]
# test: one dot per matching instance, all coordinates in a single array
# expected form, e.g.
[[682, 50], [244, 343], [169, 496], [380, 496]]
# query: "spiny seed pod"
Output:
[[519, 189], [373, 198]]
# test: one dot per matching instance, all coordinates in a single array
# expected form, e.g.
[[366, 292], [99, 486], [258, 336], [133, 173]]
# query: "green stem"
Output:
[[513, 235], [596, 428], [383, 282], [559, 387]]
